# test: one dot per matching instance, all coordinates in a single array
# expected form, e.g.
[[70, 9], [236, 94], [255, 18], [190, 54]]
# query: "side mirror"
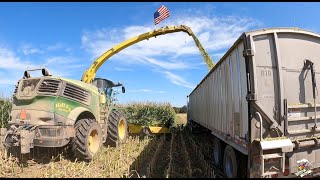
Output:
[[123, 89], [26, 74], [119, 84], [45, 72]]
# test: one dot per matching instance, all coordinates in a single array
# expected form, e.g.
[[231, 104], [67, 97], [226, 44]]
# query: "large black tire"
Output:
[[87, 140], [217, 154], [117, 128], [230, 163]]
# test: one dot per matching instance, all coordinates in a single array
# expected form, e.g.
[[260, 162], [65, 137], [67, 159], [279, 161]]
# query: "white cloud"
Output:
[[167, 65], [63, 66], [54, 47], [122, 69], [12, 66], [28, 49], [140, 90], [145, 91], [59, 46], [9, 60], [175, 79], [167, 52]]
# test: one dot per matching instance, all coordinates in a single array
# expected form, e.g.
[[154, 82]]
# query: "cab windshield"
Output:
[[104, 86]]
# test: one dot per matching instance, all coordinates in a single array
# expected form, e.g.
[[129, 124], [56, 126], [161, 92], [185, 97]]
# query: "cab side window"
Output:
[[109, 91]]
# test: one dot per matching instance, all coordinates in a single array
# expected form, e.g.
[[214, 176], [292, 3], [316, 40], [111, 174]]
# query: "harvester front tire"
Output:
[[117, 128], [87, 140]]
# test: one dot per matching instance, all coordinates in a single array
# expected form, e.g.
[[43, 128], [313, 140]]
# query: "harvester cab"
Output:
[[106, 89]]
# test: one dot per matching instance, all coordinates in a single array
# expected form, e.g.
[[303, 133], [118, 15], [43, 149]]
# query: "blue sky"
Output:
[[67, 37]]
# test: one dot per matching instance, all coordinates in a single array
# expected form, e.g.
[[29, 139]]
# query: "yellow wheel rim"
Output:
[[93, 140], [121, 129]]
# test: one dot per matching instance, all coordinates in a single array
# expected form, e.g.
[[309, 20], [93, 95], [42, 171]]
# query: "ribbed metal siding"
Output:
[[219, 103]]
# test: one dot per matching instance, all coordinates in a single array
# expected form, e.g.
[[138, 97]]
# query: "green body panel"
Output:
[[65, 107]]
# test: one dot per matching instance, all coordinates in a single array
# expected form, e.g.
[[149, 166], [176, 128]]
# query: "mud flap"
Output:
[[19, 137], [311, 156], [26, 141]]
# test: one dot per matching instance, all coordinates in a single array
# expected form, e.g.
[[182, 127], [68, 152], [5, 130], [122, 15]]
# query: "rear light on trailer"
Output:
[[286, 172]]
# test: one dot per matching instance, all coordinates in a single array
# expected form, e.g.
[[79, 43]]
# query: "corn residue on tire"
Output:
[[117, 128], [87, 140]]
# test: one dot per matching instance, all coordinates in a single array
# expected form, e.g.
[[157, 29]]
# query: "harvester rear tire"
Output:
[[87, 140], [117, 128]]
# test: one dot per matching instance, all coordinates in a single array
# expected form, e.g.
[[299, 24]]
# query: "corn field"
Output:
[[5, 107], [150, 113]]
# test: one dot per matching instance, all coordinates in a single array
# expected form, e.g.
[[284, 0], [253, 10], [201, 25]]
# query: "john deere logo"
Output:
[[63, 107]]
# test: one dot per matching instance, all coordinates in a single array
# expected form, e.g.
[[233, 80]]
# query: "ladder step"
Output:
[[271, 156], [290, 119], [306, 105], [285, 145]]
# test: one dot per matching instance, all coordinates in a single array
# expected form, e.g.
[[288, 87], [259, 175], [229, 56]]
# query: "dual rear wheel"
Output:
[[227, 159]]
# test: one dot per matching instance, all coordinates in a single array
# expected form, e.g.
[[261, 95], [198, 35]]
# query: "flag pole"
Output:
[[154, 23]]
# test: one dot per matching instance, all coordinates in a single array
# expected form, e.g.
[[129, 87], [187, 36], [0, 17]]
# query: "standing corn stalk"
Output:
[[5, 108]]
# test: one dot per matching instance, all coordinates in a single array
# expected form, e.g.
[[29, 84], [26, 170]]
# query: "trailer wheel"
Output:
[[189, 125], [230, 165], [117, 128], [88, 139], [217, 152], [193, 127]]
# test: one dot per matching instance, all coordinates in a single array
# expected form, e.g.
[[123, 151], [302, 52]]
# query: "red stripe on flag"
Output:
[[164, 16], [163, 13]]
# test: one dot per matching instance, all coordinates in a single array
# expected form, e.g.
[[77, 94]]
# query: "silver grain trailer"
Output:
[[260, 102]]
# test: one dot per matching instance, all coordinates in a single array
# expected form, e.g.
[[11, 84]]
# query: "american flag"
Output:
[[161, 14]]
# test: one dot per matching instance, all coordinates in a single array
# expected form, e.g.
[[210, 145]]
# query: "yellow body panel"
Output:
[[136, 129], [156, 130]]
